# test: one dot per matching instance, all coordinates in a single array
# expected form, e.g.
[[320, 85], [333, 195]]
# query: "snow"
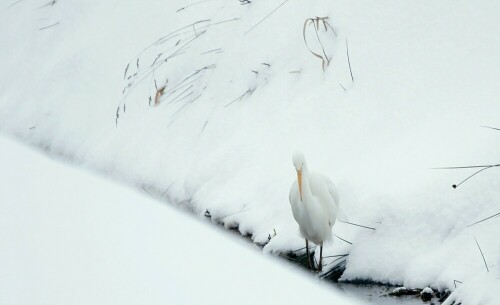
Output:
[[482, 288], [427, 290], [425, 80], [399, 289], [70, 237]]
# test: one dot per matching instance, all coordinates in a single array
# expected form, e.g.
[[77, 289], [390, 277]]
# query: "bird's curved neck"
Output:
[[306, 187]]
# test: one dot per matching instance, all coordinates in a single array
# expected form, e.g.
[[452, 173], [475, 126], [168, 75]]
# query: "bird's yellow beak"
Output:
[[299, 179]]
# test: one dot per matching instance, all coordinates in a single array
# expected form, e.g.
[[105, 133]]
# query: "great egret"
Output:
[[315, 205]]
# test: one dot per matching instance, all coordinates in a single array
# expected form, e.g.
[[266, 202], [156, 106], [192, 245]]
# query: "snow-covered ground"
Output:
[[70, 237], [80, 79]]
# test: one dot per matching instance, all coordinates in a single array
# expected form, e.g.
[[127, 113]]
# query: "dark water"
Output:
[[374, 294], [378, 294]]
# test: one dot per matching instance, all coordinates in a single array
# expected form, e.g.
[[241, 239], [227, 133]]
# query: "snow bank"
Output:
[[480, 289], [69, 237], [240, 95]]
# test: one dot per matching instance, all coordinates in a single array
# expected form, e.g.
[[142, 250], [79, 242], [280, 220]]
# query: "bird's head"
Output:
[[299, 162]]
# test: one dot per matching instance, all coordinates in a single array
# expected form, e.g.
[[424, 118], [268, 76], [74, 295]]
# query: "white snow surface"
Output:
[[70, 237], [482, 288], [425, 79]]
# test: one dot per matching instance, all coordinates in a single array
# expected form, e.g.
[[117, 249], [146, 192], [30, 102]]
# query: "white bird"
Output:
[[315, 205]]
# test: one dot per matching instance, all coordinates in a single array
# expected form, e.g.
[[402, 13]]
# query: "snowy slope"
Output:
[[242, 94], [481, 289], [69, 237]]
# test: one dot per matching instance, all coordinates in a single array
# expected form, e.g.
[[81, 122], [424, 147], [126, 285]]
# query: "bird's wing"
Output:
[[342, 216], [326, 191], [293, 195], [332, 189], [335, 195]]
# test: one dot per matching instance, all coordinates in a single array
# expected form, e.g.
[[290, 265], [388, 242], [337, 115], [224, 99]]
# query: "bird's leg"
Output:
[[308, 255], [320, 266]]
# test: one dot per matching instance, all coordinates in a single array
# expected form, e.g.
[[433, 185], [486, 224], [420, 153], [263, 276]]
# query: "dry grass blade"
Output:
[[142, 76], [338, 255], [265, 17], [48, 4], [241, 97], [189, 5], [159, 94], [183, 106], [484, 219], [14, 3], [491, 127], [346, 241], [462, 167], [484, 260], [463, 181], [349, 59], [325, 61], [126, 70], [355, 224], [117, 116], [218, 50], [48, 26], [482, 168], [307, 23], [182, 95], [300, 249], [335, 271]]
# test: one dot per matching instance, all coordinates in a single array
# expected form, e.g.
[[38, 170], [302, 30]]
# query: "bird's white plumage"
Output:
[[317, 210]]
